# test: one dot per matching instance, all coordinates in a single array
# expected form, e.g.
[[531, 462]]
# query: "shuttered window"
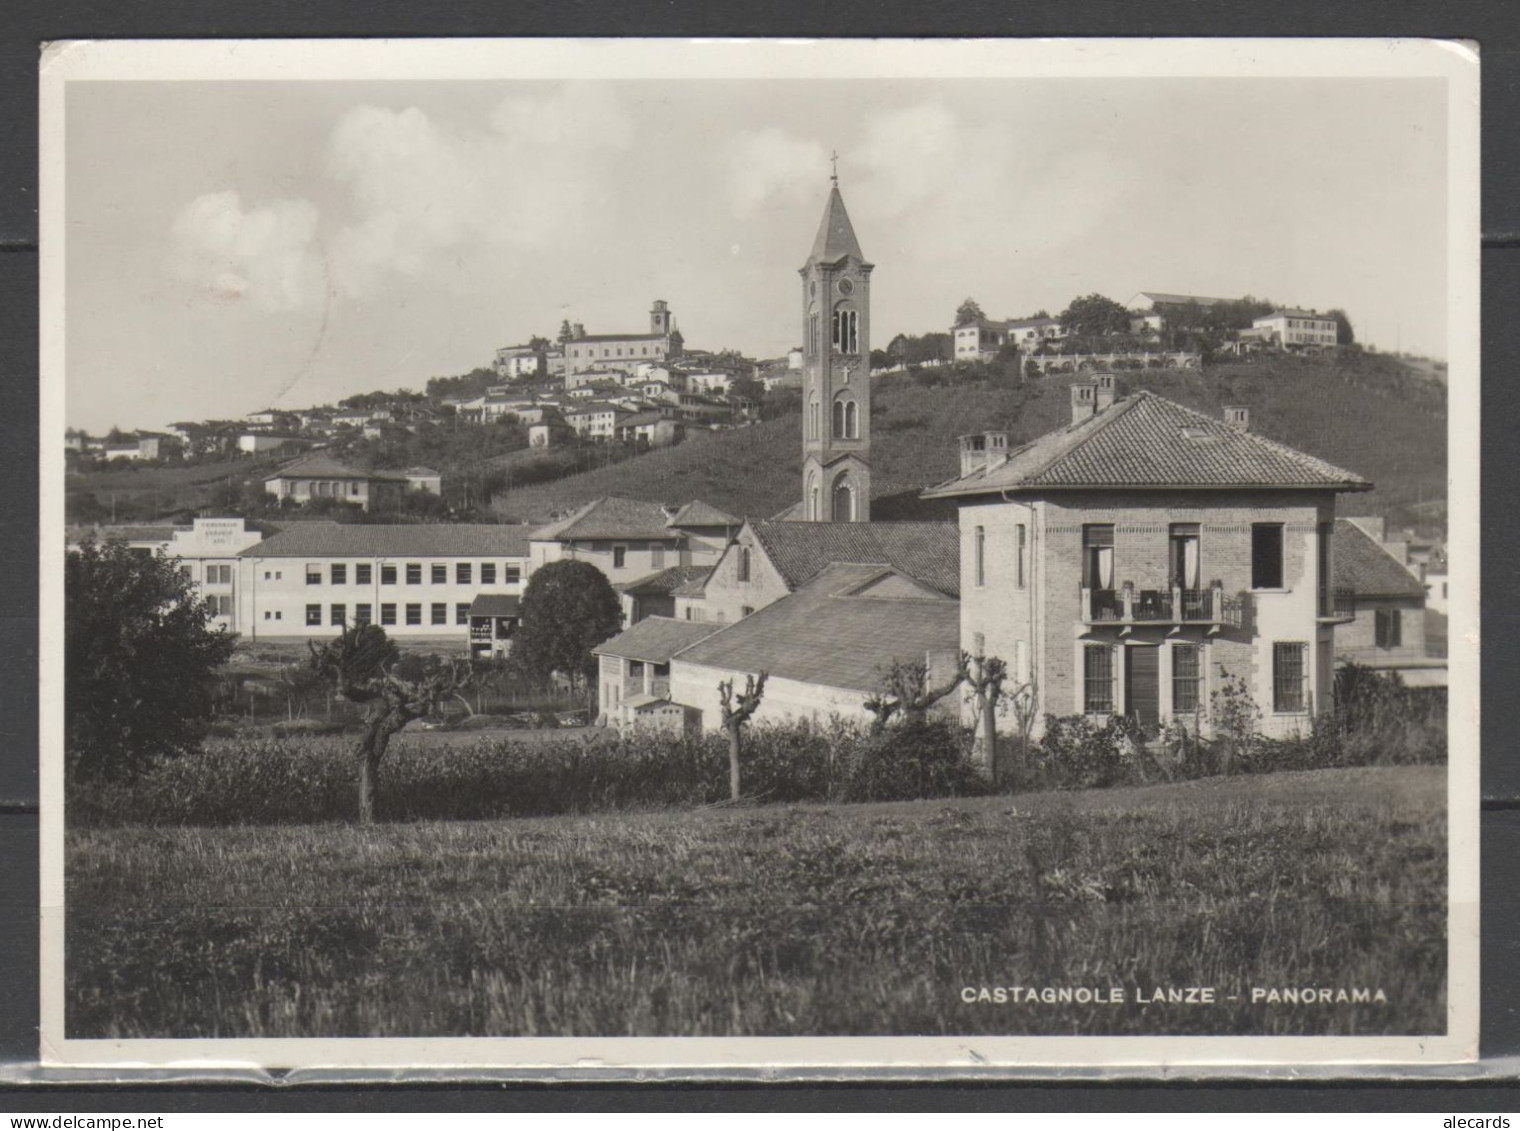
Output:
[[1097, 679], [1184, 678], [1290, 669], [1389, 628]]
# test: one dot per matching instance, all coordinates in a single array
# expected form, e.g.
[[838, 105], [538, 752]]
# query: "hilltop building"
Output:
[[1146, 557], [836, 387], [1298, 329], [981, 339], [1150, 310], [322, 477], [663, 342]]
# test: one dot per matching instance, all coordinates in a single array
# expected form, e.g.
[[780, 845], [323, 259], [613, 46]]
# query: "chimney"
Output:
[[1083, 401], [1238, 417], [985, 449], [1105, 391]]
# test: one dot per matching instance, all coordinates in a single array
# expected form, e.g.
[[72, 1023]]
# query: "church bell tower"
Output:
[[836, 366]]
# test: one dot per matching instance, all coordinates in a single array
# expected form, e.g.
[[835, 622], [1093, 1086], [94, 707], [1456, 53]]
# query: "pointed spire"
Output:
[[836, 237]]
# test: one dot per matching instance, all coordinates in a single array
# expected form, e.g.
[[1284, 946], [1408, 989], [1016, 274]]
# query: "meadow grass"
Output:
[[778, 920]]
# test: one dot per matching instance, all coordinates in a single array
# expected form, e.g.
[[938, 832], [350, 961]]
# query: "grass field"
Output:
[[778, 920]]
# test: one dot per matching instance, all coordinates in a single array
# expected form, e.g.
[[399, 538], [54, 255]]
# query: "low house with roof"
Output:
[[653, 428], [494, 621], [1293, 329], [418, 581], [424, 479], [322, 477], [1149, 310], [596, 420], [629, 539], [633, 675], [512, 362], [825, 648], [654, 595], [982, 338], [770, 559], [1146, 557], [1388, 629]]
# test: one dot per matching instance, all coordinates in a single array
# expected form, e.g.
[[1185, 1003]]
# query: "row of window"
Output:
[[1020, 557], [1185, 566], [337, 615], [644, 350], [846, 420], [464, 573], [1290, 675]]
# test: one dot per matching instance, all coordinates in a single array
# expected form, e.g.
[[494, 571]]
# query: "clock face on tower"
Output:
[[846, 286]]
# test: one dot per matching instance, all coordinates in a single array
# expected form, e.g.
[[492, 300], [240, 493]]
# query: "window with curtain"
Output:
[[1186, 567], [1098, 556]]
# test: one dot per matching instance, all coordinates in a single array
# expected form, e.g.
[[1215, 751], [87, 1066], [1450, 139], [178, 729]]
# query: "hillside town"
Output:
[[1133, 562]]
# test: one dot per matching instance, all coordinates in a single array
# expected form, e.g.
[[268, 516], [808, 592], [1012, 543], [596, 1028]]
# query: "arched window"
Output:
[[839, 420], [844, 500], [846, 331], [851, 420], [743, 563], [812, 342], [813, 419], [813, 513]]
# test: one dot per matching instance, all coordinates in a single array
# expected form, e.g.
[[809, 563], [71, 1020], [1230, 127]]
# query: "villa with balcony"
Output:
[[1146, 558]]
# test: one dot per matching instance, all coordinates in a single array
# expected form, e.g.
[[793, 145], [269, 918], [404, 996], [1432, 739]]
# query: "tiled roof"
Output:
[[495, 605], [420, 471], [695, 587], [1290, 312], [620, 338], [1161, 298], [1361, 564], [418, 540], [324, 467], [137, 533], [822, 634], [698, 513], [1146, 441], [836, 235], [927, 551], [656, 639], [667, 580], [609, 517]]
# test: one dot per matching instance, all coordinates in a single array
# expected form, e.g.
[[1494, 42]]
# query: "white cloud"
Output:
[[426, 195], [264, 254], [771, 167]]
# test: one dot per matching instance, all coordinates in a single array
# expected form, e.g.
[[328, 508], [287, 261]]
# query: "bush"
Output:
[[1078, 753], [914, 759]]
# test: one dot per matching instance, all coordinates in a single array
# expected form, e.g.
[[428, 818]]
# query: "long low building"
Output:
[[417, 581]]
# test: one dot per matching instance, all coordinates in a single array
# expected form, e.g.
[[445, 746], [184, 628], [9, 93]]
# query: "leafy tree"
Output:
[[568, 608], [1093, 316], [364, 666], [736, 713], [968, 311], [1344, 334], [140, 660]]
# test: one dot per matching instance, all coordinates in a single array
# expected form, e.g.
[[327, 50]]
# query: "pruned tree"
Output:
[[906, 688], [365, 667], [986, 677], [736, 713]]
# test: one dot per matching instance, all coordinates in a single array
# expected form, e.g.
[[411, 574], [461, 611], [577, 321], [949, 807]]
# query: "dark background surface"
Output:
[[1493, 24]]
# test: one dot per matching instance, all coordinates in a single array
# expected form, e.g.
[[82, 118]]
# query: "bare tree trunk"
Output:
[[372, 747], [733, 761], [989, 737]]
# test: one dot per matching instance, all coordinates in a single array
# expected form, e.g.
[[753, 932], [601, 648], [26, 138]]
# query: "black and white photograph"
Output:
[[953, 555]]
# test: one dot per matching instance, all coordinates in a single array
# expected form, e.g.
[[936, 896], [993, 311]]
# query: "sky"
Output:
[[232, 246]]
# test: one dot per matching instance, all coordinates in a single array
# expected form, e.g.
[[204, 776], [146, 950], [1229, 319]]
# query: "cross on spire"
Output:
[[834, 161]]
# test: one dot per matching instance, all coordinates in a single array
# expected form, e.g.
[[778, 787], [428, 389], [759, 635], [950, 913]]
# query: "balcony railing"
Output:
[[1338, 605], [1130, 605]]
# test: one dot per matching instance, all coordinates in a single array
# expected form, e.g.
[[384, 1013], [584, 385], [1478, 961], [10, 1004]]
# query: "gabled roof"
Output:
[[1162, 298], [1291, 312], [666, 581], [836, 235], [927, 551], [325, 467], [609, 517], [1146, 441], [698, 513], [421, 471], [824, 634], [496, 605], [656, 639], [148, 533], [417, 540], [1360, 563]]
